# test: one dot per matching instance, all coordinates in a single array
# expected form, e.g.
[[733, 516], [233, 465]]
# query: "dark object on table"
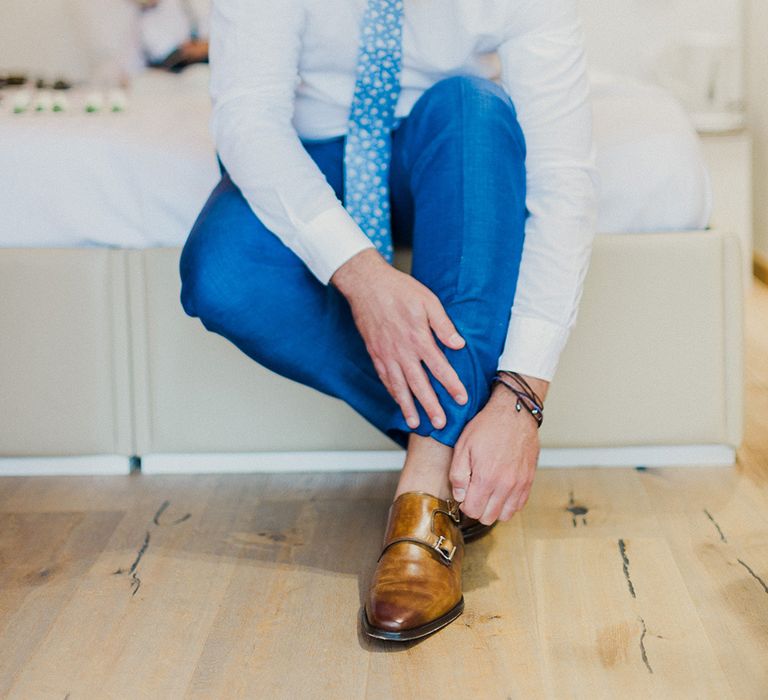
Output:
[[62, 84], [14, 79]]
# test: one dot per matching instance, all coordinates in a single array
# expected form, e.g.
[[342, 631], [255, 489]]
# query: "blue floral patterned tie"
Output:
[[368, 144]]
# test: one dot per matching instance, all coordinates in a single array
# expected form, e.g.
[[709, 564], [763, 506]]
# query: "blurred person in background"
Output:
[[121, 38], [173, 33]]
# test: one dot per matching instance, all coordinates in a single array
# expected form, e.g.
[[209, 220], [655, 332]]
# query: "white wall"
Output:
[[648, 39], [757, 106], [630, 34], [36, 35], [692, 47], [75, 39], [69, 36], [66, 38]]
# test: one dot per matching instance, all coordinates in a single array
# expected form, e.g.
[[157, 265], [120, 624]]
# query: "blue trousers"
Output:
[[457, 191]]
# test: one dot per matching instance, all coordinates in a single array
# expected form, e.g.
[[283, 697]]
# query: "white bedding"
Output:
[[652, 170], [139, 178], [133, 179]]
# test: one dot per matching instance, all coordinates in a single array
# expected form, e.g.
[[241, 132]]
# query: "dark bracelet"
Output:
[[526, 387], [526, 397]]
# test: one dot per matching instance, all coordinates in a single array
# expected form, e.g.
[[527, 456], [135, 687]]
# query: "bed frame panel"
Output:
[[99, 362], [654, 363], [64, 358]]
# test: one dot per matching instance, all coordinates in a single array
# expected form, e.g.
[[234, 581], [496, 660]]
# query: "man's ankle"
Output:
[[426, 467], [431, 483]]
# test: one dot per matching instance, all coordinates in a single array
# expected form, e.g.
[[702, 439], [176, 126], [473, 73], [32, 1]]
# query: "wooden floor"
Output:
[[613, 583]]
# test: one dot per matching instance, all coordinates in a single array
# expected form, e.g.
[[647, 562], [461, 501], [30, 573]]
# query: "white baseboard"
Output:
[[640, 456], [374, 460], [88, 465], [388, 460], [347, 461]]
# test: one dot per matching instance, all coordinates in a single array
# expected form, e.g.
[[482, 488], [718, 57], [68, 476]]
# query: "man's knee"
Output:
[[239, 279], [202, 294], [470, 88], [220, 264], [473, 103], [212, 266], [223, 294]]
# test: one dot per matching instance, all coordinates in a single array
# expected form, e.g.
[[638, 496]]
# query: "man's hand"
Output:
[[494, 460], [396, 315]]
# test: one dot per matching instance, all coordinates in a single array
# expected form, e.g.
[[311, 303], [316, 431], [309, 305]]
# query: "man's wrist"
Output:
[[503, 397], [357, 270], [540, 386]]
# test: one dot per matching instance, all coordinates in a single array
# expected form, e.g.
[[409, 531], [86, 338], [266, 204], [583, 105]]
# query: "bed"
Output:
[[98, 362], [142, 175]]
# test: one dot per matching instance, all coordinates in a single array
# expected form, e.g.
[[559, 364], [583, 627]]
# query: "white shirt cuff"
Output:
[[329, 240], [533, 347]]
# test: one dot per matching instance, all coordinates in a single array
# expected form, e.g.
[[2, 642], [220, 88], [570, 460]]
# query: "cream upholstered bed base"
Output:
[[65, 380], [99, 362]]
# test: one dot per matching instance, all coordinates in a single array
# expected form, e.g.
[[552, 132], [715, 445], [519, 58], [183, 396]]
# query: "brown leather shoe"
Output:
[[416, 588], [473, 529]]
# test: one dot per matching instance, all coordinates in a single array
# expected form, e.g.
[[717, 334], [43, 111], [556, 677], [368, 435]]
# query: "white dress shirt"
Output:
[[282, 70]]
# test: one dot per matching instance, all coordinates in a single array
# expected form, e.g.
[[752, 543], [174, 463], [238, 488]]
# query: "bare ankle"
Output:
[[426, 467]]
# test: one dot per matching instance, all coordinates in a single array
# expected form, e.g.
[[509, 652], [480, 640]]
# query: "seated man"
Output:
[[344, 128]]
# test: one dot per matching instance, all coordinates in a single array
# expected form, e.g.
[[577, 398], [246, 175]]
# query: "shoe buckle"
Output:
[[444, 552], [453, 511]]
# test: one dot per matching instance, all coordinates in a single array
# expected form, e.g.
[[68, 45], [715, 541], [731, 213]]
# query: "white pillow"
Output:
[[649, 157]]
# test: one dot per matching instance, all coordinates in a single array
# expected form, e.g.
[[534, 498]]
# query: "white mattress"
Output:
[[139, 178]]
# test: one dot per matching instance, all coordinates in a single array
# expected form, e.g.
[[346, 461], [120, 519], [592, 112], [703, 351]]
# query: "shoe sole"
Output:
[[415, 632], [476, 531]]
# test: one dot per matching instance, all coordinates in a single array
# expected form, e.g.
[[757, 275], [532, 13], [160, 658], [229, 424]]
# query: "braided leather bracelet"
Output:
[[526, 397]]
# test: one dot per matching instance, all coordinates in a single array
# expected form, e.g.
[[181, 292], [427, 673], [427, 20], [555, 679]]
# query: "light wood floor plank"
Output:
[[589, 502], [719, 552], [44, 558], [617, 621]]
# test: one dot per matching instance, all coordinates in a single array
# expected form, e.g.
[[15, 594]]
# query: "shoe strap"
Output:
[[444, 547], [426, 520]]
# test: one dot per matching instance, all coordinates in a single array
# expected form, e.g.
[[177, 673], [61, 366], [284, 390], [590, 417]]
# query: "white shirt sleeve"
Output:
[[255, 47], [544, 72]]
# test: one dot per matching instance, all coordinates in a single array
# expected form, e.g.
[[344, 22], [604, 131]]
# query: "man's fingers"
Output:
[[515, 502], [444, 373], [381, 370], [476, 501], [460, 472], [423, 391], [509, 509], [402, 394], [492, 509], [443, 326], [522, 496]]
